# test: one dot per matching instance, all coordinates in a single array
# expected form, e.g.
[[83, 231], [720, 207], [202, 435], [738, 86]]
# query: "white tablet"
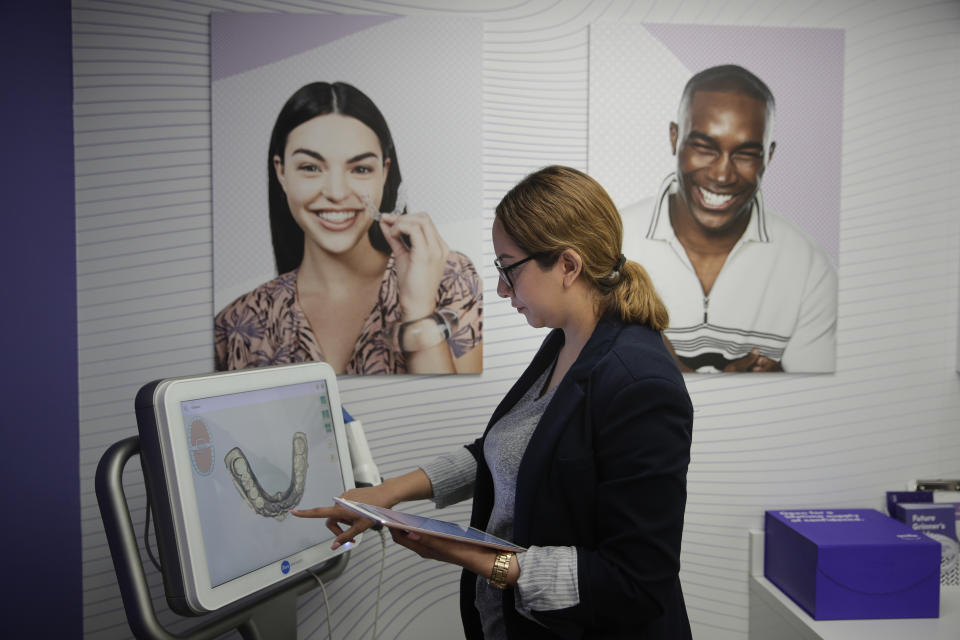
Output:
[[428, 526], [225, 457]]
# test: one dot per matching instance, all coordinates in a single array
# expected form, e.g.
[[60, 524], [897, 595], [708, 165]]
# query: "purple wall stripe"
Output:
[[40, 414]]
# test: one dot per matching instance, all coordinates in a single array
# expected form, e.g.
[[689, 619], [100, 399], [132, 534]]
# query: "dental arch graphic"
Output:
[[263, 503]]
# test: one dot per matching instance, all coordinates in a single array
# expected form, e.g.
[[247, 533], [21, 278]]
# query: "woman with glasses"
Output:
[[584, 461]]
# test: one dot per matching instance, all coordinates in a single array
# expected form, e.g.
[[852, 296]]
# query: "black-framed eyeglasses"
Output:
[[504, 271]]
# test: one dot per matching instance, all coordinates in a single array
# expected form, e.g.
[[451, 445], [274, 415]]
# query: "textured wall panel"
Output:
[[889, 414]]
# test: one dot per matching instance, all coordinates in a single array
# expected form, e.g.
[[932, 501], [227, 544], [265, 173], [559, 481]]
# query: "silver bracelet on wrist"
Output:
[[423, 333]]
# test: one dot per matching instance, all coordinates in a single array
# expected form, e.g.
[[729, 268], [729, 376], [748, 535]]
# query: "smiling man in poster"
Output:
[[747, 289]]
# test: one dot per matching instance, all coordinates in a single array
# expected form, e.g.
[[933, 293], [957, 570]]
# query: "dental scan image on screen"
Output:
[[255, 456]]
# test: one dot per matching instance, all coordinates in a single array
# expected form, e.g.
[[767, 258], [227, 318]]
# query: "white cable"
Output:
[[376, 614], [326, 603], [383, 563]]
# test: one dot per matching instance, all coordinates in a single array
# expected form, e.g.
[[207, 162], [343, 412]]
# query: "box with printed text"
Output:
[[842, 564], [936, 520]]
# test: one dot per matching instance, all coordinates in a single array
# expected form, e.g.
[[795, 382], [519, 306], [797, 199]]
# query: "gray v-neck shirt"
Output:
[[548, 575]]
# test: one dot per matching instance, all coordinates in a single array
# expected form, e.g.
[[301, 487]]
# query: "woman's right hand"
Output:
[[414, 485], [337, 515], [421, 257]]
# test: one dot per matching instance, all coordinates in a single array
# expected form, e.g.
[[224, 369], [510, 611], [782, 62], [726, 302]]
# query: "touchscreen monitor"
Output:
[[226, 456]]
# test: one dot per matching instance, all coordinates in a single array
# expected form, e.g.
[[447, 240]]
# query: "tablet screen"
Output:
[[254, 456]]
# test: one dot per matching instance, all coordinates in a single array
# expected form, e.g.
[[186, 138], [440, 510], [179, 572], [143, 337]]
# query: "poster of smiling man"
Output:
[[721, 146], [346, 192]]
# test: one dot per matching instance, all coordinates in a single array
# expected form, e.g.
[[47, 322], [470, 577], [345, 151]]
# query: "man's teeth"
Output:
[[337, 216], [714, 199]]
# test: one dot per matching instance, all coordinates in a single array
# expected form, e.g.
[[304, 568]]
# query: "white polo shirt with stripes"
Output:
[[776, 292]]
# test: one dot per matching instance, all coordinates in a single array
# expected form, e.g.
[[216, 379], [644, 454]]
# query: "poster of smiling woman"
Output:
[[721, 147], [346, 192]]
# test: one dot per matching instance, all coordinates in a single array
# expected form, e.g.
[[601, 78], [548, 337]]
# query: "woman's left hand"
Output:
[[421, 255], [471, 557]]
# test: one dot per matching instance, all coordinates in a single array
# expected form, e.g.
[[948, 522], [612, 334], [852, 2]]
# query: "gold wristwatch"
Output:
[[501, 567]]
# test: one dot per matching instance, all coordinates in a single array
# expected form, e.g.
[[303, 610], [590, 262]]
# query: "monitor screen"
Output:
[[236, 451]]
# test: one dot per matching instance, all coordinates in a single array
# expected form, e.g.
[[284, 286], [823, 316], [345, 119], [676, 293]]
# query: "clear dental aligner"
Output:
[[245, 480], [398, 207]]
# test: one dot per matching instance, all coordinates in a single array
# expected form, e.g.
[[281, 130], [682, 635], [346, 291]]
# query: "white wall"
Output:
[[890, 414]]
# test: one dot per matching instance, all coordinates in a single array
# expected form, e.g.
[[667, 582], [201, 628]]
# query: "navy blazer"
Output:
[[604, 471]]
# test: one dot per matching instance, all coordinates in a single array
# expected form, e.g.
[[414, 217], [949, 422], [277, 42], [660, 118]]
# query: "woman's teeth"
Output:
[[336, 216], [712, 199]]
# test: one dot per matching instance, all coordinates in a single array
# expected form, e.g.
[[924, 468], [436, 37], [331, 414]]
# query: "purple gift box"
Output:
[[896, 497], [930, 517], [843, 564]]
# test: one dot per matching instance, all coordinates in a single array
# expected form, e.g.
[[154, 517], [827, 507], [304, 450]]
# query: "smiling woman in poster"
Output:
[[364, 285]]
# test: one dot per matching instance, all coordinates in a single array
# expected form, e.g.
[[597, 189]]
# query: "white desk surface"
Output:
[[774, 616]]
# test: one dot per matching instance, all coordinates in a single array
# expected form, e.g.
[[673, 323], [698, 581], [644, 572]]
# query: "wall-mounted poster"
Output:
[[347, 192], [684, 122]]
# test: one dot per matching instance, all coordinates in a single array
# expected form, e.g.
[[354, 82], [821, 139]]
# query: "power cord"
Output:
[[326, 603], [376, 615], [383, 562]]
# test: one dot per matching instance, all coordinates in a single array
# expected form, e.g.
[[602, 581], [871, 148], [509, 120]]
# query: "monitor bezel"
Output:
[[180, 520]]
